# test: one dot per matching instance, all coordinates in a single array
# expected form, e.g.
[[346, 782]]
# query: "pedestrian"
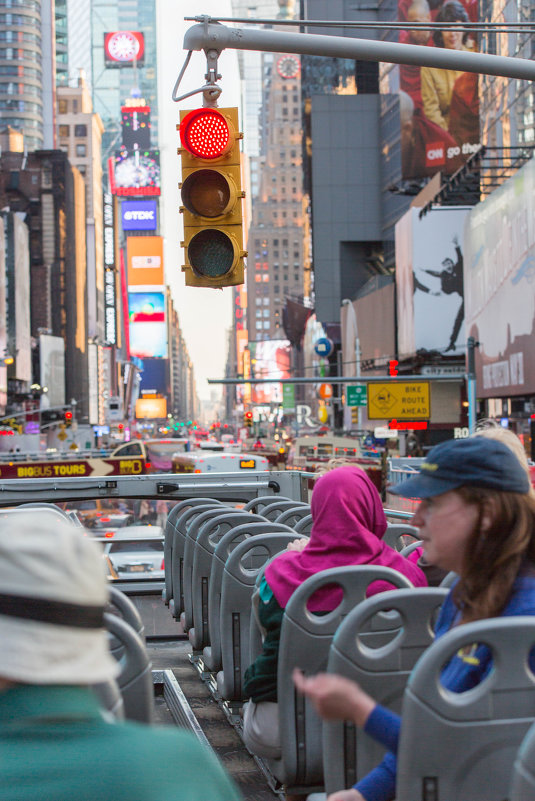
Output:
[[477, 519], [55, 740], [348, 525]]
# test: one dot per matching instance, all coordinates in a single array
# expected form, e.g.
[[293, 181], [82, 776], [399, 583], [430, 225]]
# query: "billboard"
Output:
[[429, 279], [439, 108], [135, 125], [3, 329], [52, 368], [151, 408], [136, 173], [145, 260], [110, 295], [147, 327], [139, 215], [499, 288], [272, 360], [123, 49], [154, 378]]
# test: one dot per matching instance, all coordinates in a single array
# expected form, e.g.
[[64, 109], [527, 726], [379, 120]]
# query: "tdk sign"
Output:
[[138, 215]]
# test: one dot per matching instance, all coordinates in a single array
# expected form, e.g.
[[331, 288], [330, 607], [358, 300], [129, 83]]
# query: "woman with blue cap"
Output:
[[476, 518]]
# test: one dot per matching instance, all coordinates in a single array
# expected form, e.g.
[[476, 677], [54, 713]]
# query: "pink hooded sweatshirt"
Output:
[[349, 523]]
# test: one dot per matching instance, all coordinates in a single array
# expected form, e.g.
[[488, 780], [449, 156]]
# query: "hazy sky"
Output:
[[205, 314]]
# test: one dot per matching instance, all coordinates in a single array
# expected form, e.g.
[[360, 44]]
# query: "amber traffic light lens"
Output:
[[211, 253], [206, 193], [205, 133]]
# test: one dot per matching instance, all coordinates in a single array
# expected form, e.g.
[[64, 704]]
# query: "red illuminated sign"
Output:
[[123, 48]]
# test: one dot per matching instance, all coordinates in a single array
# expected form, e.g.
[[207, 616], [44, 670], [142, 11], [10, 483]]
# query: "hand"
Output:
[[335, 697], [346, 795], [297, 545]]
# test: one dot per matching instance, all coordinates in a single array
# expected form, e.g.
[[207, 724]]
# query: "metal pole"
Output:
[[343, 379], [471, 383], [357, 369], [214, 36]]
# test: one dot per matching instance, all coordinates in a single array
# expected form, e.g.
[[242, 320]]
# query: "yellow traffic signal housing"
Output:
[[212, 195], [354, 414]]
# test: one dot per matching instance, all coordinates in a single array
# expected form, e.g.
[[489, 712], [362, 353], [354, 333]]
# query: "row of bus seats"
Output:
[[452, 746]]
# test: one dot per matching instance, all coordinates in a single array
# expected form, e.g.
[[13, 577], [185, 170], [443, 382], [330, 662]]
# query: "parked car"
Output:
[[136, 552]]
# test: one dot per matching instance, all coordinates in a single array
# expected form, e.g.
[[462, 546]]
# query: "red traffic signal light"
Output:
[[211, 195], [68, 416]]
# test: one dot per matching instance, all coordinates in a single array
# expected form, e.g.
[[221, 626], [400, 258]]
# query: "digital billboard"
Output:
[[123, 48], [154, 378], [139, 215], [439, 108], [145, 261], [151, 408], [135, 125], [110, 298], [147, 327], [136, 173], [429, 280], [272, 360]]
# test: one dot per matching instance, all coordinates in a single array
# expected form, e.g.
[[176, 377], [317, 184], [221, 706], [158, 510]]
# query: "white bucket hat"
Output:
[[53, 592]]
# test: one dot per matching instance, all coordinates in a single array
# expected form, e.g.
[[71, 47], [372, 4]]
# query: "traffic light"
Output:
[[248, 419], [212, 197], [68, 418], [355, 414]]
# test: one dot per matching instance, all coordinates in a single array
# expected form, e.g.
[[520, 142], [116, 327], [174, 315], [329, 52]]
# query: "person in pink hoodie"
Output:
[[348, 526]]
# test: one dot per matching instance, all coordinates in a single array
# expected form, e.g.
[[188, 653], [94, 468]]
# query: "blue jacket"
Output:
[[460, 674]]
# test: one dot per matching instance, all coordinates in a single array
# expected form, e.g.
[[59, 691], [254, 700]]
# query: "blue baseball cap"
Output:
[[472, 462]]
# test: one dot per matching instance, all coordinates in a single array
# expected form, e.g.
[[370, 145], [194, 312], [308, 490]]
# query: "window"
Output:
[[75, 105], [266, 312], [266, 326], [63, 130], [63, 106], [266, 301], [81, 150], [80, 130]]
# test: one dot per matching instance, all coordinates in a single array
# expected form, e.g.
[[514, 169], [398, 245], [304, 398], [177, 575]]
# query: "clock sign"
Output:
[[122, 48], [288, 67]]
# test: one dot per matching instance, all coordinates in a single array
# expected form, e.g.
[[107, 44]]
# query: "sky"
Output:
[[204, 313]]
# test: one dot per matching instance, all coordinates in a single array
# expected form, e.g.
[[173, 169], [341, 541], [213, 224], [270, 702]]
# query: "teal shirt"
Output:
[[260, 678], [56, 745]]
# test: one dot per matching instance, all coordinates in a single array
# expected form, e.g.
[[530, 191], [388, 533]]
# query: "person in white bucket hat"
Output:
[[55, 740]]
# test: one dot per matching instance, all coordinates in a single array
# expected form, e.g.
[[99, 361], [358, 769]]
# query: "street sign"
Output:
[[404, 401], [325, 391], [356, 395], [324, 346], [288, 397]]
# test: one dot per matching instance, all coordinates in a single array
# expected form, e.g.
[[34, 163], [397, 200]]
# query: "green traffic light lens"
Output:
[[211, 253], [206, 193]]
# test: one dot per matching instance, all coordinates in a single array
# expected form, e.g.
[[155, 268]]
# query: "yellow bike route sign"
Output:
[[403, 401]]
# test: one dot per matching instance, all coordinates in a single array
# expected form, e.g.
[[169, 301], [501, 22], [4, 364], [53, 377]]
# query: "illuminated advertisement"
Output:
[[145, 260], [123, 48], [147, 328], [110, 299], [136, 172], [139, 215], [151, 408], [269, 359], [135, 124], [439, 108], [429, 280]]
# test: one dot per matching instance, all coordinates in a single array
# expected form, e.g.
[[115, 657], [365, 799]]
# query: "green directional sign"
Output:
[[356, 395], [288, 397]]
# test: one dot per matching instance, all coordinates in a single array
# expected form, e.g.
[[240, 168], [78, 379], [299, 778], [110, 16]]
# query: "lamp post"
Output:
[[353, 316]]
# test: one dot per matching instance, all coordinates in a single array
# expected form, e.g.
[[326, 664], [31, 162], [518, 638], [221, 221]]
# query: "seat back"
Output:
[[523, 784], [208, 537], [305, 641], [218, 521], [382, 671], [216, 622], [241, 568], [135, 679], [183, 522], [121, 604], [398, 535], [463, 745], [304, 526], [293, 515], [257, 504], [169, 531], [273, 510]]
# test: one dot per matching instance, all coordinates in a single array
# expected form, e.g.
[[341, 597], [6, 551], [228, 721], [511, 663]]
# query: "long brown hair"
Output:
[[494, 556]]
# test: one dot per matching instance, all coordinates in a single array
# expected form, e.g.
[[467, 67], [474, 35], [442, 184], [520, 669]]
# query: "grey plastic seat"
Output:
[[293, 515], [257, 505], [121, 605], [239, 576], [349, 754], [273, 510], [304, 643], [463, 746], [219, 522], [523, 784], [398, 535], [177, 558], [170, 524], [110, 698], [408, 549], [204, 546], [135, 679], [217, 622], [449, 580], [304, 526]]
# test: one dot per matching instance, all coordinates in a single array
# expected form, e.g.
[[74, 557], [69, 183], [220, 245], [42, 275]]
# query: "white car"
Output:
[[136, 552]]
